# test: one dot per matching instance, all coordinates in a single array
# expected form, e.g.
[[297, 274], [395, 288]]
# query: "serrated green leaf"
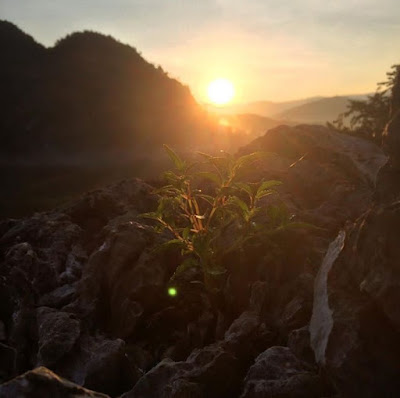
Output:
[[173, 243], [239, 202], [151, 216], [246, 160], [178, 162], [244, 187], [210, 176], [268, 185], [264, 193]]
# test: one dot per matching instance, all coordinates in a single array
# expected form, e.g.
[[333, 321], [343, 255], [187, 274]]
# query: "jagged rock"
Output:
[[290, 305], [100, 364], [33, 256], [41, 260], [248, 335], [59, 297], [215, 370], [277, 373], [355, 327], [299, 344], [57, 334], [42, 382], [124, 277], [328, 177], [209, 372], [95, 209], [83, 291]]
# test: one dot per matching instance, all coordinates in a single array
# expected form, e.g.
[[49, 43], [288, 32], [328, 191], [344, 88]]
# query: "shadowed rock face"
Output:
[[328, 178], [355, 333], [83, 290], [41, 266], [277, 373]]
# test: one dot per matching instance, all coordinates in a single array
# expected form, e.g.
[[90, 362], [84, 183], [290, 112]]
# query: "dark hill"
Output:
[[17, 45], [88, 94]]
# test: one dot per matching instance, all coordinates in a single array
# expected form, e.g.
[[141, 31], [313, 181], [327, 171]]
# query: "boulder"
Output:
[[355, 326], [58, 332], [328, 177], [299, 343], [277, 373], [211, 372], [96, 209], [124, 277], [100, 363]]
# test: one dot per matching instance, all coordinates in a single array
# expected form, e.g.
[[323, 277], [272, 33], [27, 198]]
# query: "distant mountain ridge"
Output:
[[263, 108], [313, 110]]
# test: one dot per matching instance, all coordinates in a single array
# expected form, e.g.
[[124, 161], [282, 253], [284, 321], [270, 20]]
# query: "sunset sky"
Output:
[[270, 49]]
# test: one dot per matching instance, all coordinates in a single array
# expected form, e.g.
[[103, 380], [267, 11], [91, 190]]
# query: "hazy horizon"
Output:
[[269, 50]]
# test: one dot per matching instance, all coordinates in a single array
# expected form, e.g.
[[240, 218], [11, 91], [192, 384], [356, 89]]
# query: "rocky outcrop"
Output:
[[355, 327], [328, 177], [41, 266], [277, 373], [83, 290]]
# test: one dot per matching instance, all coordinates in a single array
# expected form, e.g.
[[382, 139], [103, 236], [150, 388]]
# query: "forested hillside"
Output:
[[89, 94]]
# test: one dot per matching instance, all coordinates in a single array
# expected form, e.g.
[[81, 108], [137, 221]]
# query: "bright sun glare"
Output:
[[220, 91]]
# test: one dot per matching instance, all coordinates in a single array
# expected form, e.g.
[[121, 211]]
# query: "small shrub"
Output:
[[208, 226]]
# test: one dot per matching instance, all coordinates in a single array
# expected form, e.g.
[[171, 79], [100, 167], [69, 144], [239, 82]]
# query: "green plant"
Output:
[[207, 225]]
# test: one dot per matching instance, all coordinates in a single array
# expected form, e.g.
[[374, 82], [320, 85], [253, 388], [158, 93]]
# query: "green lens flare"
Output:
[[172, 291]]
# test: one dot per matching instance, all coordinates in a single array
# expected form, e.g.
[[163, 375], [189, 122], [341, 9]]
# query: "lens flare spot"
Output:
[[172, 291]]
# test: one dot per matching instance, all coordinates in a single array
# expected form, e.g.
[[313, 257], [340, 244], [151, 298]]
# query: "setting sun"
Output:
[[221, 91]]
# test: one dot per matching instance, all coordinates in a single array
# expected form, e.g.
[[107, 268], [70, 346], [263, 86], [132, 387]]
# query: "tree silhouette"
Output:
[[368, 118]]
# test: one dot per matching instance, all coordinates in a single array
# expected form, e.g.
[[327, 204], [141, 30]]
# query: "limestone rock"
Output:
[[355, 326], [277, 373]]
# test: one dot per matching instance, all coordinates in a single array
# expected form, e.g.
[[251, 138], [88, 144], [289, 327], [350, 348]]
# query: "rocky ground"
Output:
[[84, 304]]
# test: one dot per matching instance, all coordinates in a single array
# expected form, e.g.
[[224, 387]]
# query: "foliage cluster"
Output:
[[368, 118], [207, 224]]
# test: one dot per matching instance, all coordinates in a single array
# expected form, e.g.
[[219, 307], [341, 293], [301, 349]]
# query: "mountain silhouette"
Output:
[[88, 95]]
